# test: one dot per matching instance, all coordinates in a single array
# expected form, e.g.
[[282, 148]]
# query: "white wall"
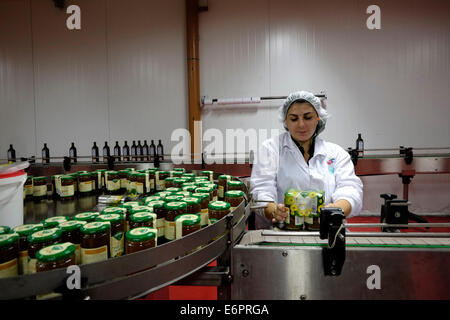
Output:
[[121, 77]]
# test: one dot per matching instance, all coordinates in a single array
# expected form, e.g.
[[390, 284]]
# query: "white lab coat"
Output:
[[280, 166]]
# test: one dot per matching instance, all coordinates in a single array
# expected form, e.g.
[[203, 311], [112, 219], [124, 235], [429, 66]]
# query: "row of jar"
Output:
[[167, 220]]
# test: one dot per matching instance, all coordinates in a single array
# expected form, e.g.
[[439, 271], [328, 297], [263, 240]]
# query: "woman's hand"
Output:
[[276, 212]]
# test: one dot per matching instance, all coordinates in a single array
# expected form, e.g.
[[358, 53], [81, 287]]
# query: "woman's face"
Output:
[[301, 121]]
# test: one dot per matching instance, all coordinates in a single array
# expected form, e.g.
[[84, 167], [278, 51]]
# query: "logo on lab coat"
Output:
[[330, 163]]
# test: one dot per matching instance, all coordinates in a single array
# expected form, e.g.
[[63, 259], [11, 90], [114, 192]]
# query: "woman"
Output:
[[299, 159]]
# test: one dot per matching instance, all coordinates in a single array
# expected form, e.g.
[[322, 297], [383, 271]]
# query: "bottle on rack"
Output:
[[117, 151], [106, 152], [133, 151], [73, 153], [360, 146], [139, 151], [145, 156], [45, 154], [94, 153], [152, 151], [160, 151], [126, 152], [11, 154]]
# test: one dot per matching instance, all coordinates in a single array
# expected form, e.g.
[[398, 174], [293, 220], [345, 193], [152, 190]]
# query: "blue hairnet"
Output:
[[318, 104]]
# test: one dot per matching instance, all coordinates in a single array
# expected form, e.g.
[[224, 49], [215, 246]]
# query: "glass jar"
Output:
[[9, 253], [112, 182], [234, 198], [95, 241], [67, 188], [193, 205], [209, 174], [142, 219], [28, 188], [207, 190], [204, 201], [86, 216], [53, 222], [85, 184], [56, 256], [173, 209], [161, 179], [222, 185], [70, 232], [140, 239], [24, 231], [169, 182], [116, 243], [235, 185], [160, 211], [186, 224], [39, 188], [39, 240], [218, 209]]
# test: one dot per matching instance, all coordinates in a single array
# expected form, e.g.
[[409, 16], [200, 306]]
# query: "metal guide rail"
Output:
[[137, 274]]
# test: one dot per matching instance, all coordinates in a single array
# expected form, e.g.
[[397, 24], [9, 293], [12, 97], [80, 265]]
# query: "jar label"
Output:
[[215, 198], [309, 220], [58, 184], [9, 268], [160, 225], [204, 217], [67, 191], [39, 191], [139, 188], [23, 262], [28, 190], [147, 183], [169, 230], [299, 220], [94, 254], [113, 185], [86, 186], [221, 193], [124, 183], [131, 186], [31, 265], [152, 184], [117, 244]]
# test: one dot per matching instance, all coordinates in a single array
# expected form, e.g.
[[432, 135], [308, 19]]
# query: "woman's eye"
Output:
[[308, 118]]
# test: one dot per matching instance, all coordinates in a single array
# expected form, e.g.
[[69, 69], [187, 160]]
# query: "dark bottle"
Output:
[[117, 151], [126, 152], [152, 151], [145, 151], [73, 153], [360, 145], [160, 151], [94, 153], [106, 152], [133, 151], [45, 154], [11, 154], [139, 151]]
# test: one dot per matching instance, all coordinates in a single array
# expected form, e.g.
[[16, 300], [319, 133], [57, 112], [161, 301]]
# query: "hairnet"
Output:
[[318, 104]]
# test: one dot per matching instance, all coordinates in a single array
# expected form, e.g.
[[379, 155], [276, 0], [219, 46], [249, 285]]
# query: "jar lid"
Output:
[[87, 174], [201, 178], [31, 177], [201, 196], [82, 171], [190, 188], [86, 216], [55, 252], [143, 216], [95, 227], [27, 229], [118, 210], [207, 171], [56, 176], [162, 194], [213, 220], [101, 170], [124, 171], [74, 174], [129, 205], [176, 173], [140, 175], [39, 178], [8, 239], [53, 221], [180, 180], [112, 172], [136, 209], [153, 170], [177, 205], [188, 219], [5, 229], [72, 225], [191, 200], [234, 193], [130, 169], [164, 172], [219, 205], [187, 184], [169, 179], [173, 198], [208, 184], [179, 169], [225, 176], [155, 204], [140, 234], [67, 177], [235, 183], [45, 235], [111, 217], [183, 193], [204, 190], [173, 189], [151, 198], [132, 174]]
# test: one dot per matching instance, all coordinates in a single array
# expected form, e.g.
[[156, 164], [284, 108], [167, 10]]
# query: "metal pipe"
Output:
[[361, 234]]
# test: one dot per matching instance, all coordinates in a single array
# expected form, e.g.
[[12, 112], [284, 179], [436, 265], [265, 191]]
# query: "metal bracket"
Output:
[[332, 228]]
